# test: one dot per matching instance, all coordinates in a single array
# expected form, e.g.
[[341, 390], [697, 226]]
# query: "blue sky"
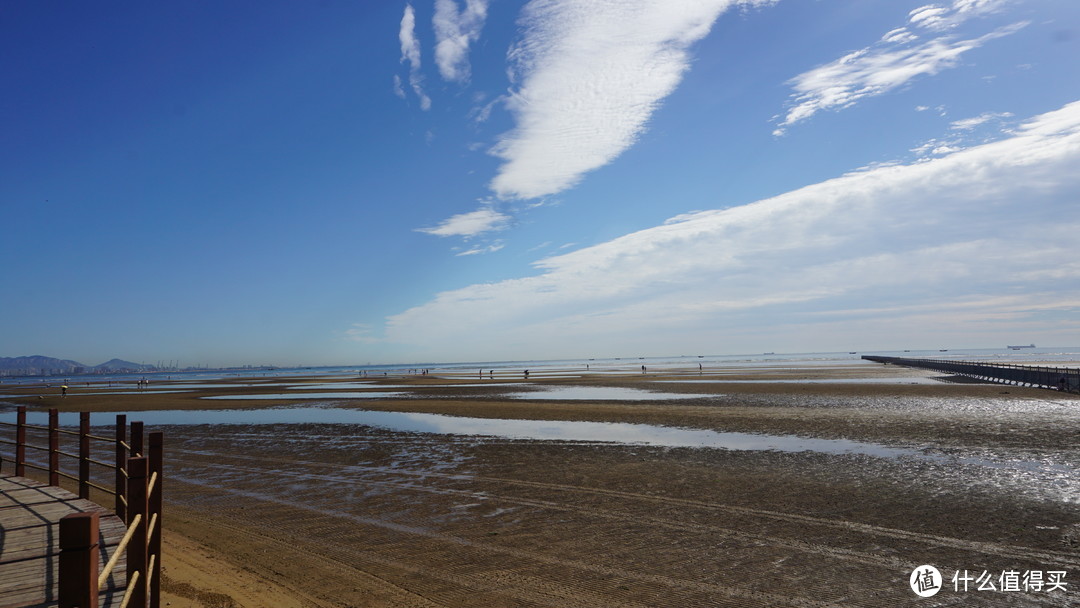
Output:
[[285, 183]]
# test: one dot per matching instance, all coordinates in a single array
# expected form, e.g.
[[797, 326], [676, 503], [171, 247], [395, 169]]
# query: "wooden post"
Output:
[[157, 440], [84, 455], [20, 441], [121, 464], [54, 447], [79, 561], [136, 438], [136, 549]]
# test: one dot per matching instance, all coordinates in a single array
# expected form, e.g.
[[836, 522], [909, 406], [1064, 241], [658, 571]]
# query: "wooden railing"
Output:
[[1059, 378], [137, 492]]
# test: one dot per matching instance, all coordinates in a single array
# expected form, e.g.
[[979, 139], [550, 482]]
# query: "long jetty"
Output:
[[1059, 378]]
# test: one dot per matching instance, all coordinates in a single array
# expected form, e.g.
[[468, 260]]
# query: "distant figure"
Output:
[[643, 369], [491, 373], [1063, 384], [63, 390], [526, 374]]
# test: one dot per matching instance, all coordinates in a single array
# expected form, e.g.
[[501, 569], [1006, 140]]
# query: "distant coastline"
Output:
[[48, 368]]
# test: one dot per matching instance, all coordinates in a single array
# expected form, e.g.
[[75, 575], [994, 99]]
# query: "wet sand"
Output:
[[354, 515]]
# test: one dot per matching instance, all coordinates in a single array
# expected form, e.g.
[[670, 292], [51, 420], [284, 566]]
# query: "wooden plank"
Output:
[[31, 574], [15, 496], [30, 512], [40, 541], [8, 479], [38, 515]]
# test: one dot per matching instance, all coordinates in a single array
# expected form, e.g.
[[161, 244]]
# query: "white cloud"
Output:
[[484, 249], [471, 224], [968, 124], [410, 53], [893, 61], [590, 74], [900, 35], [941, 18], [455, 30], [955, 234], [929, 16]]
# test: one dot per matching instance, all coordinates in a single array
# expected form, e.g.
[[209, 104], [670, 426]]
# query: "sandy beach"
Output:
[[970, 477]]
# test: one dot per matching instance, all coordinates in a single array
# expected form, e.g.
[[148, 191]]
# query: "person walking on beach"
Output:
[[63, 390], [643, 369]]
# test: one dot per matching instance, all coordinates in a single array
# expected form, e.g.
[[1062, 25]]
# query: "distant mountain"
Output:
[[119, 365], [39, 365], [38, 362]]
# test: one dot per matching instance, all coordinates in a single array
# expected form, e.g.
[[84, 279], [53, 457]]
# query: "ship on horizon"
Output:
[[1021, 346]]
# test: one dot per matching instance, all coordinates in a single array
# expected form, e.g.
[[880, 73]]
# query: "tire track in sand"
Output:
[[729, 592], [995, 549], [861, 557]]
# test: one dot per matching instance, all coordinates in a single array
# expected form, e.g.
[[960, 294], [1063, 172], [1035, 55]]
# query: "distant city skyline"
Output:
[[453, 181]]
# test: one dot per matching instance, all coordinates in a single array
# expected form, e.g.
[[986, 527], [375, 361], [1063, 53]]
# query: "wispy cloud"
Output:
[[941, 18], [953, 234], [410, 53], [968, 124], [963, 133], [482, 249], [471, 224], [455, 30], [895, 60], [589, 75], [362, 333]]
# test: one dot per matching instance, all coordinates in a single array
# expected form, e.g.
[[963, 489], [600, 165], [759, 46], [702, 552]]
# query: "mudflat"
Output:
[[979, 480]]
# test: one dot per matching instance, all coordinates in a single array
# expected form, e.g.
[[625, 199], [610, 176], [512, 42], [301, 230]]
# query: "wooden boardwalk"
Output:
[[30, 513]]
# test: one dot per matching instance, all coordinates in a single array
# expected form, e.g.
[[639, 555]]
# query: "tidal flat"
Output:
[[848, 479]]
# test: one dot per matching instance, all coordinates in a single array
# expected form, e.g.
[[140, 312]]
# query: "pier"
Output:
[[59, 548], [1058, 378]]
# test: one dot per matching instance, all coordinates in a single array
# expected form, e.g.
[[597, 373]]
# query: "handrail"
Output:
[[107, 570], [137, 501], [102, 488], [71, 477], [105, 439], [101, 464], [127, 593]]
